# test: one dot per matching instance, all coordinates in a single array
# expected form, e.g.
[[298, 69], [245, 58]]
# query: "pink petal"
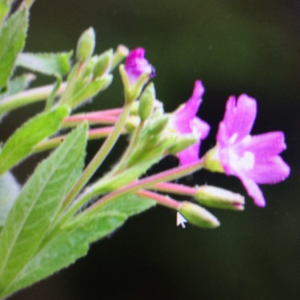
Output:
[[190, 154], [254, 191], [136, 65], [265, 145], [269, 170], [238, 120], [200, 127]]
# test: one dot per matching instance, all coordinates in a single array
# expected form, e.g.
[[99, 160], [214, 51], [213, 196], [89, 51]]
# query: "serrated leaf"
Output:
[[9, 190], [69, 245], [38, 205], [12, 40], [21, 143], [54, 64], [72, 242], [4, 9], [17, 85], [130, 204]]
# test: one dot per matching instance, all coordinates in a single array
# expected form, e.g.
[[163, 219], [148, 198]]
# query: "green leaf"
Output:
[[72, 242], [17, 85], [12, 40], [85, 90], [9, 190], [21, 143], [67, 246], [130, 204], [54, 64], [4, 9], [38, 204]]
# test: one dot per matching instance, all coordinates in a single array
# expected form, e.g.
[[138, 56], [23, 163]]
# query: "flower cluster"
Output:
[[253, 159]]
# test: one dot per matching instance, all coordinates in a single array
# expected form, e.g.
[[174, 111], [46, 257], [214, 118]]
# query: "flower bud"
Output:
[[120, 53], [88, 66], [183, 142], [132, 123], [220, 198], [198, 215], [158, 124], [146, 102], [103, 64], [86, 45]]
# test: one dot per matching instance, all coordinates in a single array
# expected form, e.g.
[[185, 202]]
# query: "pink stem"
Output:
[[92, 118], [163, 200], [175, 188]]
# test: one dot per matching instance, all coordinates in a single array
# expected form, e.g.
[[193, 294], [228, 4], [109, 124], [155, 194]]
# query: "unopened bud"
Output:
[[159, 124], [198, 215], [103, 64], [147, 101], [88, 66], [183, 142], [132, 123], [86, 45], [220, 198], [120, 53]]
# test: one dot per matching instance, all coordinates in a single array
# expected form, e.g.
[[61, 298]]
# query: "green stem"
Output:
[[99, 157], [94, 134], [28, 97], [150, 181], [133, 143]]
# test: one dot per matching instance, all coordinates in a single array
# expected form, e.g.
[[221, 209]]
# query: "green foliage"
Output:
[[4, 9], [38, 205], [56, 64], [17, 85], [83, 90], [9, 190], [65, 248], [72, 241], [21, 143], [12, 40]]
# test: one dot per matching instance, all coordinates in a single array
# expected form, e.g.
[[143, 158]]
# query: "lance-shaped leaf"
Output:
[[4, 9], [12, 40], [73, 240], [38, 205], [54, 64], [17, 84], [9, 190], [21, 143]]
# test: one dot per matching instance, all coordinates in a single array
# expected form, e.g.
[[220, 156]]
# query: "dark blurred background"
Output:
[[234, 47]]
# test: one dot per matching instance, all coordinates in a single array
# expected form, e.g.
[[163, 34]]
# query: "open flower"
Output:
[[136, 65], [185, 121], [253, 159]]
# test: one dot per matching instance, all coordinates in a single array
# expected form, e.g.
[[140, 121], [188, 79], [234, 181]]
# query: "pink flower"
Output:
[[185, 121], [136, 65], [253, 159]]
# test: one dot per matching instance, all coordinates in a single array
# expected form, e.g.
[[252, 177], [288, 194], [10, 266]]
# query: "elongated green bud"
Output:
[[89, 66], [103, 64], [86, 45], [220, 198], [198, 215], [146, 102], [159, 124], [120, 53], [132, 123], [183, 142]]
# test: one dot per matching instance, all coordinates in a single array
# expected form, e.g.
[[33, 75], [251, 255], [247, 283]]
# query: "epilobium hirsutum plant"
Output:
[[50, 222]]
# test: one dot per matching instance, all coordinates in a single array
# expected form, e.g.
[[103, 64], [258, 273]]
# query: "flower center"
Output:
[[245, 162]]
